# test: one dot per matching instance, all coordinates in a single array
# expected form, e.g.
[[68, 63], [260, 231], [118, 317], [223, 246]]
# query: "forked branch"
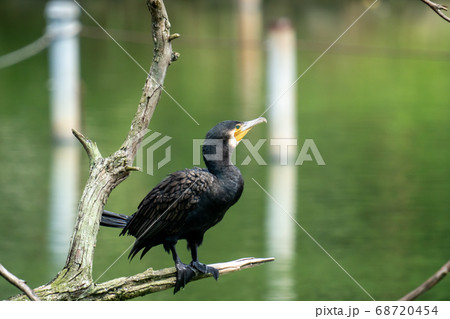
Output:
[[438, 8], [106, 173]]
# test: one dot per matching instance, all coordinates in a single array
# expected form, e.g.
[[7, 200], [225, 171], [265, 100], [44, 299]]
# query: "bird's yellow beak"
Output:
[[244, 128]]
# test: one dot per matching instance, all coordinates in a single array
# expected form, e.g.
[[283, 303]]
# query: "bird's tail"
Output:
[[110, 219]]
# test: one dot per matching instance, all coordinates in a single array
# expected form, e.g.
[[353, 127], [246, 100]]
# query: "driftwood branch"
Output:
[[106, 173], [147, 282], [19, 283], [152, 281], [429, 283], [74, 281], [438, 8]]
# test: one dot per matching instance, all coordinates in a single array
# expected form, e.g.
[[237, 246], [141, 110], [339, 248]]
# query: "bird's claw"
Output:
[[185, 273], [204, 269]]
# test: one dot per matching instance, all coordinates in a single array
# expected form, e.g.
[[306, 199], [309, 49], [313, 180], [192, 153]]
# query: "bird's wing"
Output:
[[164, 209]]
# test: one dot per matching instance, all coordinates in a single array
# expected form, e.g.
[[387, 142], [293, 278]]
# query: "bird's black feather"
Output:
[[165, 213]]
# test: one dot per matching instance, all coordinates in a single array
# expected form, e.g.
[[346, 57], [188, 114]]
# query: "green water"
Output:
[[376, 105]]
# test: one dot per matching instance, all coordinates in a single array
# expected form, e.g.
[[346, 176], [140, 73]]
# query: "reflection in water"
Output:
[[64, 73], [250, 55], [281, 232], [283, 176], [63, 201]]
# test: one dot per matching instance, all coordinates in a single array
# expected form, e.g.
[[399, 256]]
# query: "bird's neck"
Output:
[[217, 157]]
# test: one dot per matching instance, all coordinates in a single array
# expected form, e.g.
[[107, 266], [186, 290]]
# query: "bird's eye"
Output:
[[238, 127]]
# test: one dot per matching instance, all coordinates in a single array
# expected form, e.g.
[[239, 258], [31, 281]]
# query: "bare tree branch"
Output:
[[106, 173], [19, 283], [147, 282], [152, 281], [429, 283], [437, 8]]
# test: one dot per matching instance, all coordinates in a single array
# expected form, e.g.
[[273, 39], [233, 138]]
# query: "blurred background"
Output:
[[376, 106]]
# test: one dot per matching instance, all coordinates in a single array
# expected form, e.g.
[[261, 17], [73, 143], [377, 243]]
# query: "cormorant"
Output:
[[188, 202]]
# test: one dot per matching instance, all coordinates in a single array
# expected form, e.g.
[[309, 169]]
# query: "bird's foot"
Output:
[[204, 269], [185, 273]]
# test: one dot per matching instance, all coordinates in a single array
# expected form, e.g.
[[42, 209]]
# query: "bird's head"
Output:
[[232, 131], [223, 138]]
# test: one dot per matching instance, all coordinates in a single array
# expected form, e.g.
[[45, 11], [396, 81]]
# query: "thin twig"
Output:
[[19, 283], [436, 7], [428, 284]]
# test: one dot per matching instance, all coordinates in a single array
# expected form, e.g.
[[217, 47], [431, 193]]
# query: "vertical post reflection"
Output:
[[283, 175], [63, 24], [63, 201], [281, 232], [250, 55]]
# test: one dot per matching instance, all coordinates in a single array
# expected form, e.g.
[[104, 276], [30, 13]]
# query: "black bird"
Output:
[[187, 203]]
